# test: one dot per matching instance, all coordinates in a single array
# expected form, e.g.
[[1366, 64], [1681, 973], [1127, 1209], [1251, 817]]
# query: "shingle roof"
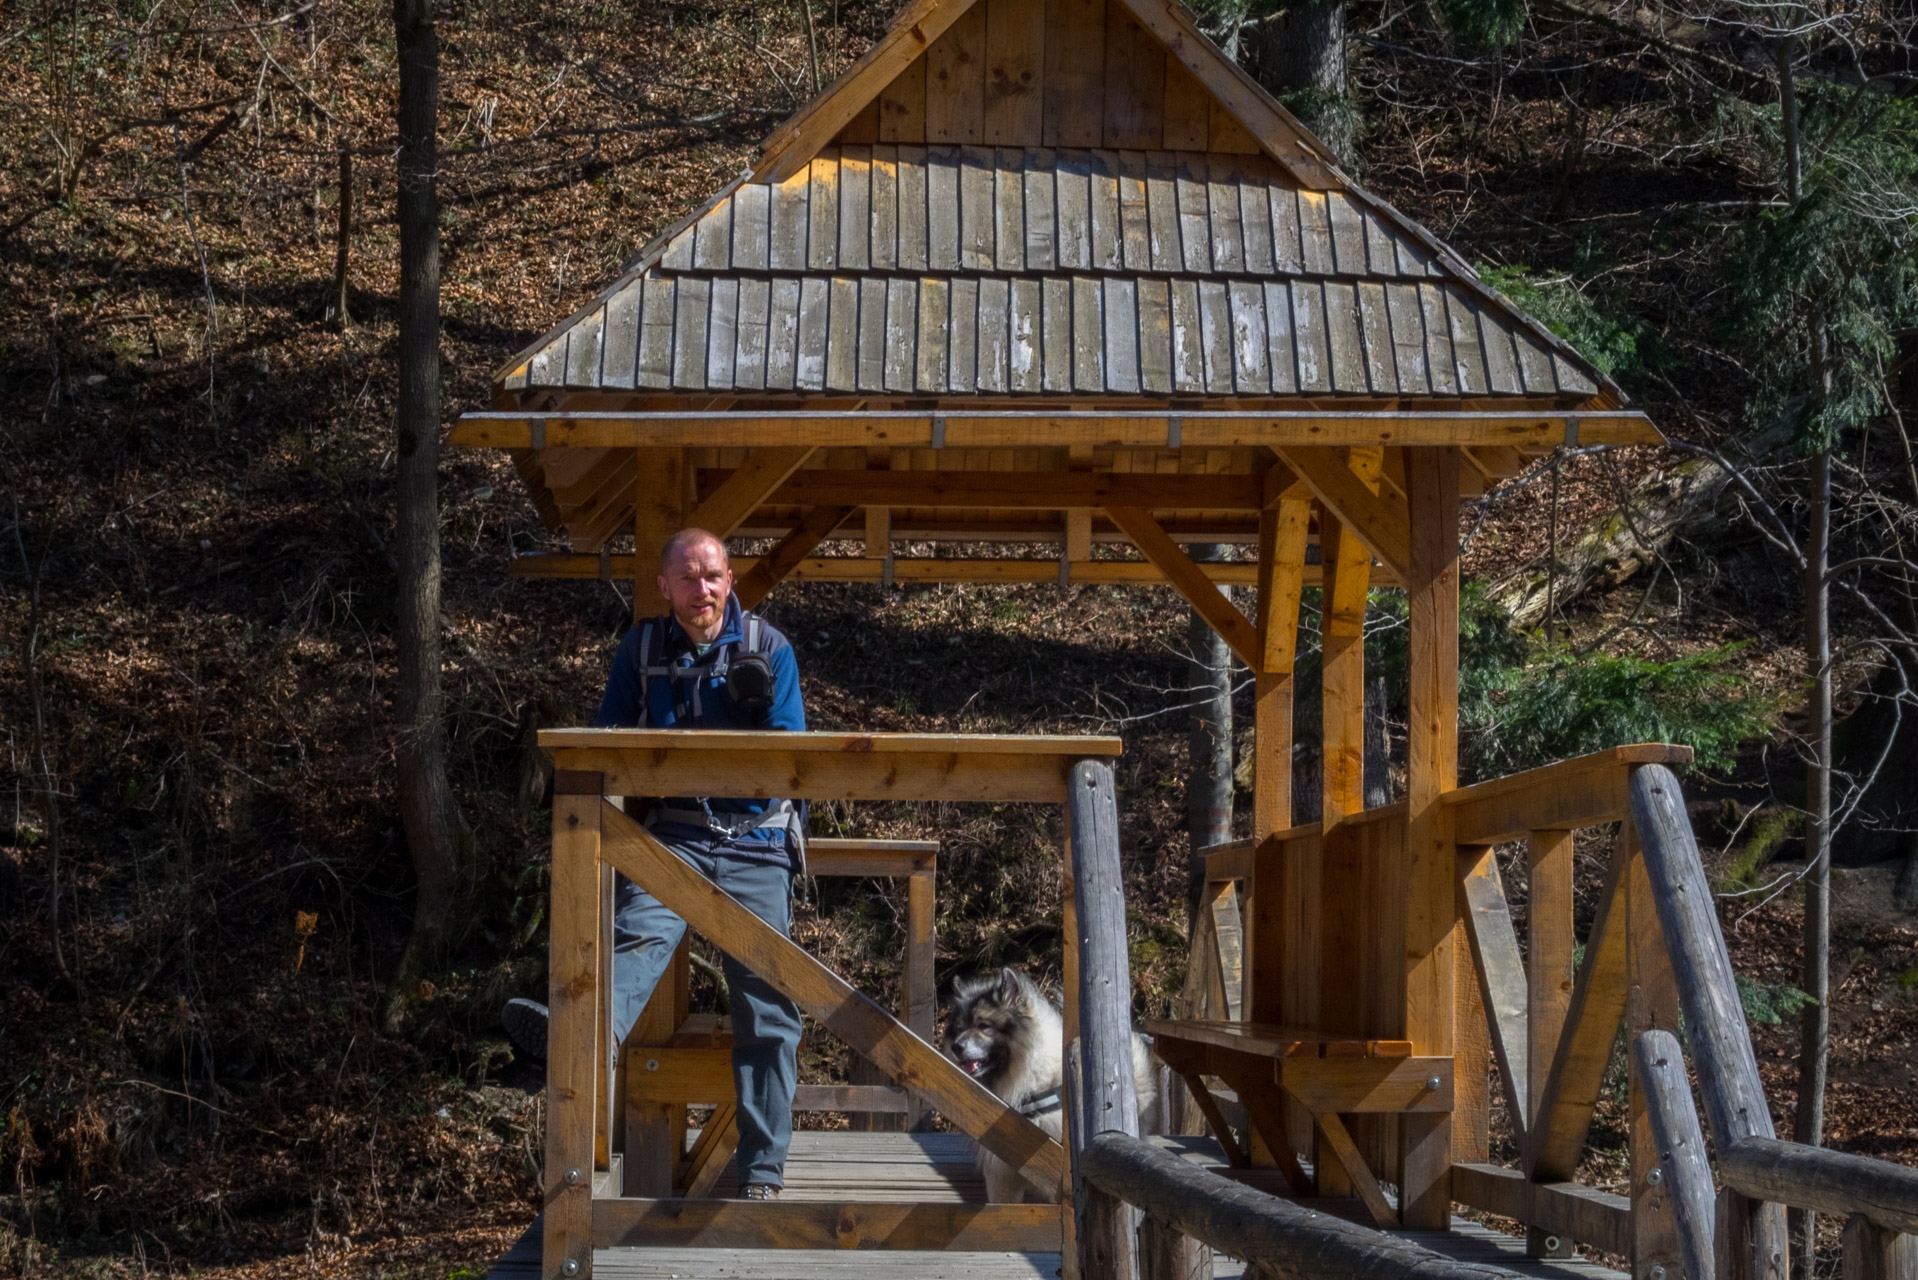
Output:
[[962, 270]]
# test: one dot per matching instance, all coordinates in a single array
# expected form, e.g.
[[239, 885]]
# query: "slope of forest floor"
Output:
[[195, 579]]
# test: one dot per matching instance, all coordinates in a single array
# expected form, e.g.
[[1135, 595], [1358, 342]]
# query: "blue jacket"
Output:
[[620, 708]]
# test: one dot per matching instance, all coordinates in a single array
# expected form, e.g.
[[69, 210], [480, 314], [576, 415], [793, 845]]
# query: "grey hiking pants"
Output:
[[765, 1023]]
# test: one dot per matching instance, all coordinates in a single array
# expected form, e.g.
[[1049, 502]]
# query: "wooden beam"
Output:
[[1557, 1136], [812, 530], [1336, 1139], [1501, 977], [572, 1035], [1190, 581], [1016, 490], [1551, 947], [1677, 1145], [1122, 573], [1570, 1210], [1379, 523], [842, 1009], [1583, 792], [747, 489], [825, 1224], [993, 429], [1347, 577]]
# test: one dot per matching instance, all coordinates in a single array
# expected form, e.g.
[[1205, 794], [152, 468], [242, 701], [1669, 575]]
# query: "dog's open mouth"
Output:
[[972, 1066]]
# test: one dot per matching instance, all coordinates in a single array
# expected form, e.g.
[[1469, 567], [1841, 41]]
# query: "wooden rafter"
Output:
[[1190, 580], [814, 529], [1284, 530], [1029, 490], [747, 488], [1382, 526]]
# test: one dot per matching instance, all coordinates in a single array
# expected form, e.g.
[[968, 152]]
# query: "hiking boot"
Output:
[[525, 1024], [759, 1191]]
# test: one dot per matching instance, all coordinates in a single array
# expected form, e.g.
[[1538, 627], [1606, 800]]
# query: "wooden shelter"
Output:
[[1057, 272]]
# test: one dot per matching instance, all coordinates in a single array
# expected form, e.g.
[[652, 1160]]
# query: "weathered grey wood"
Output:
[[582, 351], [1088, 345], [689, 331], [1467, 352], [962, 351], [1310, 345], [655, 334], [1009, 210], [902, 330], [1342, 337], [1502, 981], [885, 208], [1375, 330], [872, 333], [1135, 223], [942, 208], [809, 372], [1682, 1166], [1162, 213], [1055, 329], [749, 366], [1348, 234], [978, 214], [1248, 348], [1195, 223], [1255, 221], [1284, 1237], [622, 339], [722, 334], [842, 335], [1381, 251], [1188, 356], [712, 238], [1534, 364], [1408, 338], [1121, 335], [1733, 1249], [1283, 367], [933, 303], [1872, 1253], [1105, 1236], [752, 210], [1288, 252], [1501, 360], [994, 335], [1822, 1180], [822, 218], [855, 208], [1215, 330], [782, 334], [1155, 335], [786, 237], [1024, 350], [1228, 231], [1439, 362], [1165, 1254], [1074, 180], [1039, 210], [913, 229], [1105, 976], [1103, 203], [1720, 1039]]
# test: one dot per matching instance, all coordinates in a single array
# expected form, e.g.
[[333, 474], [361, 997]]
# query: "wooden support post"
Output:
[[1108, 1101], [659, 511], [1078, 548], [1873, 1253], [920, 995], [1167, 1254], [572, 1052], [1651, 1004], [1430, 897], [1678, 1145], [1284, 527], [655, 1131], [1347, 568], [1550, 946]]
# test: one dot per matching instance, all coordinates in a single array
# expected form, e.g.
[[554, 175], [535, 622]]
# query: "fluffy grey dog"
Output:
[[1010, 1037]]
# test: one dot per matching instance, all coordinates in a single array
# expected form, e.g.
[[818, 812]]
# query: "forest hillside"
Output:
[[203, 885]]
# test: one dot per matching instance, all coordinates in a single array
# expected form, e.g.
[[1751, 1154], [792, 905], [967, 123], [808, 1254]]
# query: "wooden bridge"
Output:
[[1057, 272]]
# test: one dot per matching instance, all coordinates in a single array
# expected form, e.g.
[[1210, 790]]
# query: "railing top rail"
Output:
[[1075, 745], [1581, 792]]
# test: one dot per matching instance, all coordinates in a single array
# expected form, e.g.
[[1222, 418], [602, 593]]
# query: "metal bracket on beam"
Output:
[[938, 430], [1174, 431], [1571, 433], [536, 428]]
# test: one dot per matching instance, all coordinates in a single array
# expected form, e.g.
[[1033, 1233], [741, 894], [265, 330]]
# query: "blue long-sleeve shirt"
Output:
[[711, 709]]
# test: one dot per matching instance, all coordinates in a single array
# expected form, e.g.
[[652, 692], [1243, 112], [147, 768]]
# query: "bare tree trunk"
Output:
[[435, 835], [344, 241], [1208, 786], [1378, 746], [1302, 53]]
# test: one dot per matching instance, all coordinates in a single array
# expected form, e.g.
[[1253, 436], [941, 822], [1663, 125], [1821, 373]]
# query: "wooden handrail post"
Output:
[[1108, 1103], [1721, 1040], [1682, 1169], [572, 1048], [1873, 1253]]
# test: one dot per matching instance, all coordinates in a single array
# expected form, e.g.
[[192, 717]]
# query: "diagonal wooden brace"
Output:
[[845, 1011], [1200, 591]]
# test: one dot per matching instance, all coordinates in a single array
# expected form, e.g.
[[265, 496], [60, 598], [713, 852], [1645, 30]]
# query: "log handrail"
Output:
[[1285, 1238]]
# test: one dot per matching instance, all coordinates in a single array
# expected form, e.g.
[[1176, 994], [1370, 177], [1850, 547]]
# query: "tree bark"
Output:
[[1302, 52], [343, 241], [435, 834], [1208, 786]]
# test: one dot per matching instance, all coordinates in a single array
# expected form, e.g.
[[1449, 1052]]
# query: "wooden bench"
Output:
[[1329, 1076]]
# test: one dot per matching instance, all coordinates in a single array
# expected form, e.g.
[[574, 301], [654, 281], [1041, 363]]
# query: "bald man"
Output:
[[708, 664]]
